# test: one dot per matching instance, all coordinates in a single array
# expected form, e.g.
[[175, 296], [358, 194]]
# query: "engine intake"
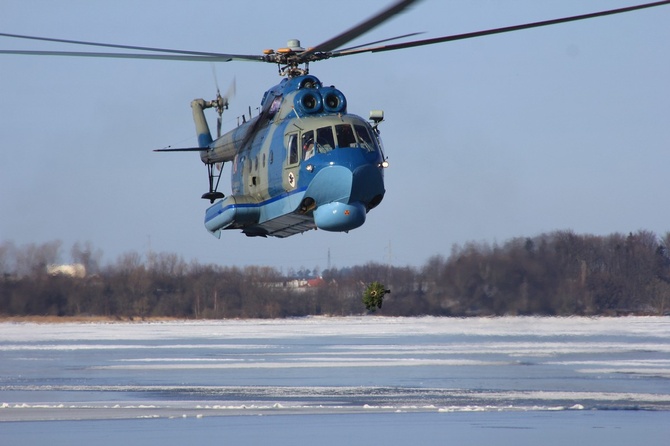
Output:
[[308, 102], [333, 100]]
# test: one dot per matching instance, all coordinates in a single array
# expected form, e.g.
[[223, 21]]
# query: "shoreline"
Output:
[[85, 319], [45, 320]]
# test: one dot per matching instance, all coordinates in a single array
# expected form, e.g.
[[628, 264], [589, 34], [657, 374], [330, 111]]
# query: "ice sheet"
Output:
[[321, 365]]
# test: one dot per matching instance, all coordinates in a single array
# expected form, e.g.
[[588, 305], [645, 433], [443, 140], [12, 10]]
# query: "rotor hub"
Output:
[[293, 60]]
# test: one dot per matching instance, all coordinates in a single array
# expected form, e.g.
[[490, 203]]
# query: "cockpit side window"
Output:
[[308, 144], [324, 139], [293, 154], [364, 137], [274, 107], [345, 136]]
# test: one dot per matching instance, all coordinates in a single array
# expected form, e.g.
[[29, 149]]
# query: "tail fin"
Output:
[[201, 127]]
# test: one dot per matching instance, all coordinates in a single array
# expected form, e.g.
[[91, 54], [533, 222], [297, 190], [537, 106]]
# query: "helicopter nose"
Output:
[[330, 184], [343, 197], [367, 185]]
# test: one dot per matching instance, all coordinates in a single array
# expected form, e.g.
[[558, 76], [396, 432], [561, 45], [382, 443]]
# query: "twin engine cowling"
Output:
[[322, 100]]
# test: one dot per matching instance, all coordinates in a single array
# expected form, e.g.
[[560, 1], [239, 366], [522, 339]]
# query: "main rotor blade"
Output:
[[359, 29], [128, 47], [488, 32], [187, 58], [380, 41], [170, 54]]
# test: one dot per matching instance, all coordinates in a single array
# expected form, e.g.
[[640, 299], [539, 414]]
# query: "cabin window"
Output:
[[293, 155], [263, 160], [364, 138], [345, 136], [325, 142], [272, 156]]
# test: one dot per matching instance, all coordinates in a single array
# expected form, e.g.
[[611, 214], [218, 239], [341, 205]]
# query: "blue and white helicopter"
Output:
[[303, 162]]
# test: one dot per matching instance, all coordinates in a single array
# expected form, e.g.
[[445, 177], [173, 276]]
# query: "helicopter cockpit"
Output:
[[326, 138]]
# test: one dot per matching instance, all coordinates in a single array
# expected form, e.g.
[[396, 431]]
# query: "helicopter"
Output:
[[304, 162]]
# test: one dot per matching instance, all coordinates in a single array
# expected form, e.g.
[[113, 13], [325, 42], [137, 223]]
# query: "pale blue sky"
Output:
[[497, 137]]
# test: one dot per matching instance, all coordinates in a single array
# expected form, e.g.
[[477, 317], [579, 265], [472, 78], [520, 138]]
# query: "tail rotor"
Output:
[[220, 103]]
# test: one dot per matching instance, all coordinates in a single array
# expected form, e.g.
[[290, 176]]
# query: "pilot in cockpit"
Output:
[[308, 147]]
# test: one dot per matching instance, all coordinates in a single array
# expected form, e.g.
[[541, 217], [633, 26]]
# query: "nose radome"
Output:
[[339, 217]]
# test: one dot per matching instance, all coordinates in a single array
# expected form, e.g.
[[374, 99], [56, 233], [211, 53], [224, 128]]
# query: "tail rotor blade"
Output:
[[232, 89]]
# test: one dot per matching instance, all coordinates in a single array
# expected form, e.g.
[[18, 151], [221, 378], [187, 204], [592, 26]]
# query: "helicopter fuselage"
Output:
[[303, 163]]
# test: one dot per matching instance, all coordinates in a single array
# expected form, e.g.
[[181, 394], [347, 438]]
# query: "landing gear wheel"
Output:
[[212, 196]]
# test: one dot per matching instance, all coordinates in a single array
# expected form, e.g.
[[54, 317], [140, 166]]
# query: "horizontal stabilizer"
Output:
[[183, 149]]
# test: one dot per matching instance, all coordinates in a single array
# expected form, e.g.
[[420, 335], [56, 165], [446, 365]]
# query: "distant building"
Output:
[[76, 270], [301, 285]]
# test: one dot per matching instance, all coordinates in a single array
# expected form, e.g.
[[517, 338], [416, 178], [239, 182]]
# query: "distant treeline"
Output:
[[560, 273]]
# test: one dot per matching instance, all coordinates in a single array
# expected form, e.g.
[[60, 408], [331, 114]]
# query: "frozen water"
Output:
[[456, 375]]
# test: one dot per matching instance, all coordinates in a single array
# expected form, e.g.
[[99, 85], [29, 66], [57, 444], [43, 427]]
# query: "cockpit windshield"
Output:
[[345, 135], [364, 138], [325, 139]]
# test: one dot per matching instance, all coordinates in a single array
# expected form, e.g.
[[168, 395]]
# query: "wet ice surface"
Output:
[[356, 368]]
